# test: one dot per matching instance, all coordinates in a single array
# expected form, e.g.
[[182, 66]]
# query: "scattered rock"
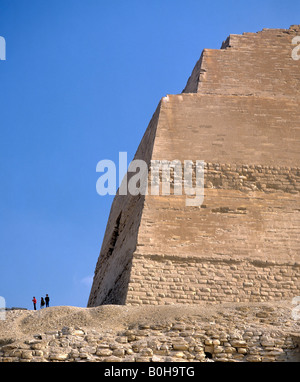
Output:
[[229, 333]]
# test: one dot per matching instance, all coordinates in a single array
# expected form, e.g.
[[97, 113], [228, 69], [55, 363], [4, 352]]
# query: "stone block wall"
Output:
[[172, 280], [249, 64], [232, 333], [176, 342], [161, 276], [243, 177], [252, 177]]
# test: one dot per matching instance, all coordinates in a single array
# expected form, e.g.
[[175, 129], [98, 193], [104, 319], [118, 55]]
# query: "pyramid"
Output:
[[240, 114]]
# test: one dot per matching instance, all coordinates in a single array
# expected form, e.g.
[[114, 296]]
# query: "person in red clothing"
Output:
[[34, 303]]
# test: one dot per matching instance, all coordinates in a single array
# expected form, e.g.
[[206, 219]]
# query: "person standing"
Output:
[[34, 303], [42, 302], [47, 299]]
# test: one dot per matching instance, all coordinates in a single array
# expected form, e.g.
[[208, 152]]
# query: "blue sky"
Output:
[[80, 83]]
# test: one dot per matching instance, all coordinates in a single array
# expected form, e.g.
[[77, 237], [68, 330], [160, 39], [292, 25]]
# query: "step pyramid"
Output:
[[240, 114]]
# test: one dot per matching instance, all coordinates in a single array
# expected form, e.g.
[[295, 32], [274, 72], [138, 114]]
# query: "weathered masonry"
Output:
[[251, 332], [240, 114]]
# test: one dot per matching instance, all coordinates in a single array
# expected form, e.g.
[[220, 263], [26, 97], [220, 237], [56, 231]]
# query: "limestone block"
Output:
[[26, 354], [103, 352], [58, 356], [209, 349], [180, 346], [253, 358], [238, 343]]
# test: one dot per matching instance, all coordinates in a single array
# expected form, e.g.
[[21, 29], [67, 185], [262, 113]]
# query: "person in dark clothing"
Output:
[[42, 302], [47, 299], [34, 303]]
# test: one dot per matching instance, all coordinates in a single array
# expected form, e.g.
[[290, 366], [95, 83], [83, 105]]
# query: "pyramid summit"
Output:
[[238, 113]]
